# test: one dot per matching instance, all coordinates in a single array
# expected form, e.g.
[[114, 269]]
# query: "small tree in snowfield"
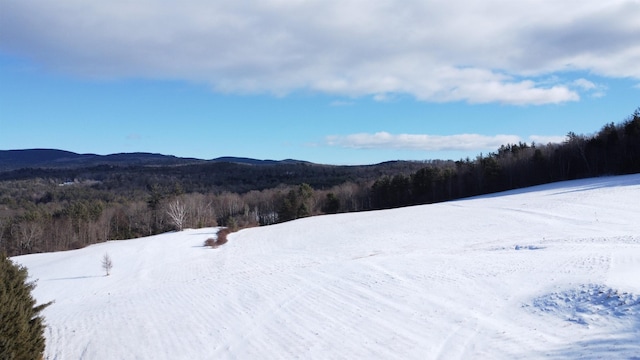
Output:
[[107, 264]]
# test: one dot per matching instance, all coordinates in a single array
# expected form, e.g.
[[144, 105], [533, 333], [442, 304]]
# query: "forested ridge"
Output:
[[47, 209]]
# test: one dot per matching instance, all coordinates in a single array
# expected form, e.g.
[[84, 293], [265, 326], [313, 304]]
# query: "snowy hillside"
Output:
[[546, 272]]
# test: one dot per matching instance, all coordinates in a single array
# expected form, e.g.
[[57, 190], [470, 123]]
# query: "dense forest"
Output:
[[49, 209], [613, 150]]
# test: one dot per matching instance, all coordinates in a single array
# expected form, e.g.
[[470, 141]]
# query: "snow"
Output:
[[545, 272]]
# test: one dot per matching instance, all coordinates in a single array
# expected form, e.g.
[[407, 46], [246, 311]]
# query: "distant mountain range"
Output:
[[52, 158]]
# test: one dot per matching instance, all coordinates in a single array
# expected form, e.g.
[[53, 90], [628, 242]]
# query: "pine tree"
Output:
[[21, 326]]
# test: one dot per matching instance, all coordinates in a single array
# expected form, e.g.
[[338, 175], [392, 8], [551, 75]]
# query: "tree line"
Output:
[[52, 210], [613, 150], [42, 216]]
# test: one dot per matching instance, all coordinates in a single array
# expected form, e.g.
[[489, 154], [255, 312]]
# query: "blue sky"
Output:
[[337, 82]]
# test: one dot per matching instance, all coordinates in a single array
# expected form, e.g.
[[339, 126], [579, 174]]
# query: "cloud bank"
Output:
[[459, 142], [461, 50]]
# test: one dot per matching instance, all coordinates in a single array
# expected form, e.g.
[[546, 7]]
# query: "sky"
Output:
[[331, 81]]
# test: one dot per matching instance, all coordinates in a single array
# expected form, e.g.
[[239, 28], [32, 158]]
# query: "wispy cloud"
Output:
[[424, 142], [385, 140], [546, 139], [595, 90], [584, 84], [462, 50]]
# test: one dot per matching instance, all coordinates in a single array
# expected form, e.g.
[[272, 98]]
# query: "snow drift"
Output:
[[546, 272]]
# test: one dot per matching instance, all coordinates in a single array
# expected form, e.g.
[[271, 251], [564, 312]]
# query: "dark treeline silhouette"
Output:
[[45, 210], [614, 150]]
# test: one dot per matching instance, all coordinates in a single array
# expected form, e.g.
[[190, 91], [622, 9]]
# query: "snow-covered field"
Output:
[[546, 272]]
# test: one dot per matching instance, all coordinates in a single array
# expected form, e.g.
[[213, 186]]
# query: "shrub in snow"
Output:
[[220, 240], [211, 242]]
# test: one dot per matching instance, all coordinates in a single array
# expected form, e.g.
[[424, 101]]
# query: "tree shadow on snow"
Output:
[[626, 346], [568, 186], [76, 277]]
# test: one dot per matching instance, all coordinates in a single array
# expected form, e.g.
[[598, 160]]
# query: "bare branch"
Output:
[[107, 264]]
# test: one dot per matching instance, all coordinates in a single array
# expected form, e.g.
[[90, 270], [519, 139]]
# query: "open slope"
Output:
[[546, 272]]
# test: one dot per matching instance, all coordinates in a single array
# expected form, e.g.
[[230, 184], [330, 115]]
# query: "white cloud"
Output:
[[595, 90], [385, 140], [459, 50], [584, 84]]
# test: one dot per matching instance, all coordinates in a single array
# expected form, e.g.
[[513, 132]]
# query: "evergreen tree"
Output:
[[288, 209], [332, 204], [296, 204], [21, 327]]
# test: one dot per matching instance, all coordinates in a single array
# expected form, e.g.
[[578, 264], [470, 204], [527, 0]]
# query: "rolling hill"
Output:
[[60, 159], [543, 272]]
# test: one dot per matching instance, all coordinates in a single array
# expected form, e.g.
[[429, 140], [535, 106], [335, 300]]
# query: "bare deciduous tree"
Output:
[[27, 233], [177, 212], [107, 264]]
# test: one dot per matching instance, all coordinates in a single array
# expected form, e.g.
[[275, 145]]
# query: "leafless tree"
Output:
[[107, 264], [27, 233], [177, 213], [200, 212]]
